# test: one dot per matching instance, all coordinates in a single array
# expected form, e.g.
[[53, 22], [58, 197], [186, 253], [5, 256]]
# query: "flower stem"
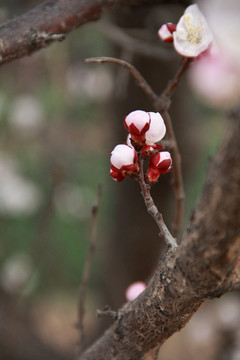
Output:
[[152, 209]]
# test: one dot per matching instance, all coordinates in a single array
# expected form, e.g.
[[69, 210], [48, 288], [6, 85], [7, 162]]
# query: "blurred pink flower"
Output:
[[216, 74], [134, 290], [216, 80]]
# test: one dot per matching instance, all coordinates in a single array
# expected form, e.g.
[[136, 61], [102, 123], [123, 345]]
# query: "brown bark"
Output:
[[50, 21], [204, 266]]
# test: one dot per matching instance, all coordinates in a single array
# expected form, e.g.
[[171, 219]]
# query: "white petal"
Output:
[[139, 118], [192, 35], [128, 141], [122, 155], [164, 33], [157, 129], [164, 155]]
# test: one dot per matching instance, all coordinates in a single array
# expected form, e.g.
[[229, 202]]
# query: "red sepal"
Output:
[[152, 175], [154, 160], [171, 27], [117, 175], [164, 166]]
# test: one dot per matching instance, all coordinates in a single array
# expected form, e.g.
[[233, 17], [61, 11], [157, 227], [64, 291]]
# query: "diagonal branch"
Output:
[[203, 266], [51, 20], [135, 45], [152, 209], [141, 82]]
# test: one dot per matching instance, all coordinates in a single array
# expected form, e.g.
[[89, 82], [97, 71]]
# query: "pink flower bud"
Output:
[[137, 123], [159, 163], [157, 129], [166, 32], [134, 290], [123, 162]]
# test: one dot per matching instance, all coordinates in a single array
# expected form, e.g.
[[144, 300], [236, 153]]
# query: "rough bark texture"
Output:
[[41, 26], [204, 266]]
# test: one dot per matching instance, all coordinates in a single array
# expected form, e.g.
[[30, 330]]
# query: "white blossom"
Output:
[[16, 272], [157, 129], [192, 35]]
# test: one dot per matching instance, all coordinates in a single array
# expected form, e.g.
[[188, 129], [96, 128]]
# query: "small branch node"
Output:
[[107, 312], [162, 103]]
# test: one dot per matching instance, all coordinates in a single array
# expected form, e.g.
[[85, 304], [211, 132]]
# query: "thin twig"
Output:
[[87, 269], [107, 312], [172, 84], [141, 82], [152, 209], [162, 106], [137, 46], [161, 103], [178, 187]]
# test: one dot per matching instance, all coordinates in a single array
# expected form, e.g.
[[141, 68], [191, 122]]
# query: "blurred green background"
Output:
[[57, 129]]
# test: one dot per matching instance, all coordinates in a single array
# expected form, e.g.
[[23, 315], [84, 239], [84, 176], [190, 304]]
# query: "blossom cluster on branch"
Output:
[[145, 129]]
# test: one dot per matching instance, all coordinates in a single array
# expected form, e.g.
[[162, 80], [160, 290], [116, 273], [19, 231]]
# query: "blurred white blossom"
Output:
[[26, 115], [95, 84], [16, 272], [228, 312], [18, 195], [74, 201]]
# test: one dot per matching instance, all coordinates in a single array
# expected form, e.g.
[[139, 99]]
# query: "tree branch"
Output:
[[162, 105], [132, 44], [202, 267], [152, 209], [50, 21]]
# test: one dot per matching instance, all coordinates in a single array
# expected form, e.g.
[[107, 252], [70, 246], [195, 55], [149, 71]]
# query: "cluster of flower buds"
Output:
[[145, 129], [191, 36]]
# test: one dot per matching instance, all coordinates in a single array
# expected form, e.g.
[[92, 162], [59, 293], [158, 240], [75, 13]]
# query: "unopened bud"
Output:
[[166, 32], [123, 162], [159, 163], [137, 123]]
